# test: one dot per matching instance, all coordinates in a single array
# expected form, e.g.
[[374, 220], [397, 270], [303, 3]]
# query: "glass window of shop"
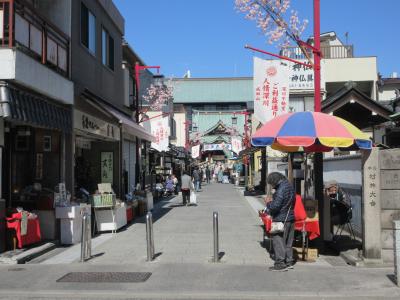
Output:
[[32, 166]]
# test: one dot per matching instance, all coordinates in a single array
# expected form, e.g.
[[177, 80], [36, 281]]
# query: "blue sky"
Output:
[[207, 37]]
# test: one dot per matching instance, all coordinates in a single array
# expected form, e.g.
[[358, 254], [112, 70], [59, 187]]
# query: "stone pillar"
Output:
[[372, 247], [396, 247]]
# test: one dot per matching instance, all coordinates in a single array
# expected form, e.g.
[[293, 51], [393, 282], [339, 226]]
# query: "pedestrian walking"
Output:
[[281, 208], [186, 187], [220, 175], [208, 175], [201, 174], [196, 179], [176, 183]]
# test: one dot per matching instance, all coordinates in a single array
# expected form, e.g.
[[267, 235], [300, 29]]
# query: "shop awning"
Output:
[[34, 110], [128, 125]]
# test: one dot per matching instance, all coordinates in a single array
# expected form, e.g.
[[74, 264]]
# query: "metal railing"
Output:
[[23, 27], [339, 51]]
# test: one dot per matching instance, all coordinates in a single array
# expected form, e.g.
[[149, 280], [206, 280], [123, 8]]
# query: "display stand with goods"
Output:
[[70, 215], [110, 214]]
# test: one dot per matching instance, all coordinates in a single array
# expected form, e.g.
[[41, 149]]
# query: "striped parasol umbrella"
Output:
[[310, 132]]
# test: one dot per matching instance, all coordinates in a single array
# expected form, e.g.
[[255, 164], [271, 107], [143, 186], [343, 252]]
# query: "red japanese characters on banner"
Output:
[[271, 88], [160, 129], [195, 151], [236, 144]]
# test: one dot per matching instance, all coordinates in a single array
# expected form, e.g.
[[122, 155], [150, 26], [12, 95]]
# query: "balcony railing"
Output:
[[23, 28], [339, 51]]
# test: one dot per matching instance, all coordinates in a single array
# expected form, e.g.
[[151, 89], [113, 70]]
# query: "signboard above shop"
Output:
[[216, 147], [95, 126], [301, 77]]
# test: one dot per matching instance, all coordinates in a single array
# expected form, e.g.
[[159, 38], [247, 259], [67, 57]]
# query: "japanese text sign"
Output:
[[236, 145], [160, 129], [196, 151], [271, 88], [107, 167]]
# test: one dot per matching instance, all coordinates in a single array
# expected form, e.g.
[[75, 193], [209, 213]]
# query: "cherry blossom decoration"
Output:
[[270, 16], [157, 94]]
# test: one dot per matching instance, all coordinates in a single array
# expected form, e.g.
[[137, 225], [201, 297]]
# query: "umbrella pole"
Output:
[[305, 194], [290, 169]]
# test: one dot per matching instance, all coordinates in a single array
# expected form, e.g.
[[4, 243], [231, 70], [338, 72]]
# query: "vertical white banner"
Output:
[[160, 129], [1, 23], [196, 151], [271, 89], [236, 144]]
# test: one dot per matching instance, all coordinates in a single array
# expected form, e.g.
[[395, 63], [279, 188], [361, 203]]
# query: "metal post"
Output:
[[84, 237], [216, 237], [88, 236], [149, 236], [396, 246]]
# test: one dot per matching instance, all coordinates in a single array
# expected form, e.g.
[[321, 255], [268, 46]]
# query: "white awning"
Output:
[[128, 125]]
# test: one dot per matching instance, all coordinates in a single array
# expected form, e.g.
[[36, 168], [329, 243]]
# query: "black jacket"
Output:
[[282, 200]]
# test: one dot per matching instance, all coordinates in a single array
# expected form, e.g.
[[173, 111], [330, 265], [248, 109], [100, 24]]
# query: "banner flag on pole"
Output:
[[236, 144], [271, 88], [160, 129], [196, 151]]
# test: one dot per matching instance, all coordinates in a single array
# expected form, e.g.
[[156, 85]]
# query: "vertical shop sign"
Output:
[[236, 145], [160, 129], [39, 166], [196, 151], [1, 23], [107, 167], [271, 88]]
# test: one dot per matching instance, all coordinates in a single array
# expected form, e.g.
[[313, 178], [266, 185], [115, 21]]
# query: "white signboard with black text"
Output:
[[301, 77], [271, 88], [215, 147], [93, 125]]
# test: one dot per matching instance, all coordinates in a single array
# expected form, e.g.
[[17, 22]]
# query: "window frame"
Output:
[[107, 58], [87, 43]]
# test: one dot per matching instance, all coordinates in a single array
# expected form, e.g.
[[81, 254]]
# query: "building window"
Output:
[[47, 143], [88, 29], [107, 48]]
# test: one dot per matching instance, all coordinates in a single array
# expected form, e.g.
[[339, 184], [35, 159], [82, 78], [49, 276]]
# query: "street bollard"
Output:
[[86, 239], [396, 241], [149, 237], [216, 237]]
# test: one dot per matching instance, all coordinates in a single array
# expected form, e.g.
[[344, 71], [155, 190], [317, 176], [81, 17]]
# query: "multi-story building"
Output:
[[36, 98], [65, 113]]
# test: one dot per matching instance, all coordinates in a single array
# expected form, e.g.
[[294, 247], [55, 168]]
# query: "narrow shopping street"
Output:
[[184, 234], [183, 269]]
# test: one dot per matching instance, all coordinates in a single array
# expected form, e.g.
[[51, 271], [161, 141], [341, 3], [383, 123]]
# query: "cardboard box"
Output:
[[310, 255]]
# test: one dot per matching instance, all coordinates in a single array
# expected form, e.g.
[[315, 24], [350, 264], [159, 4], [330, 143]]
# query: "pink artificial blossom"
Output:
[[159, 94], [270, 16]]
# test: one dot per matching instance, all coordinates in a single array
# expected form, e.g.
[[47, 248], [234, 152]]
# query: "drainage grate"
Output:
[[105, 277]]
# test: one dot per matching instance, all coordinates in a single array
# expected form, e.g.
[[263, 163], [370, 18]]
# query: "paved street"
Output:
[[182, 269]]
